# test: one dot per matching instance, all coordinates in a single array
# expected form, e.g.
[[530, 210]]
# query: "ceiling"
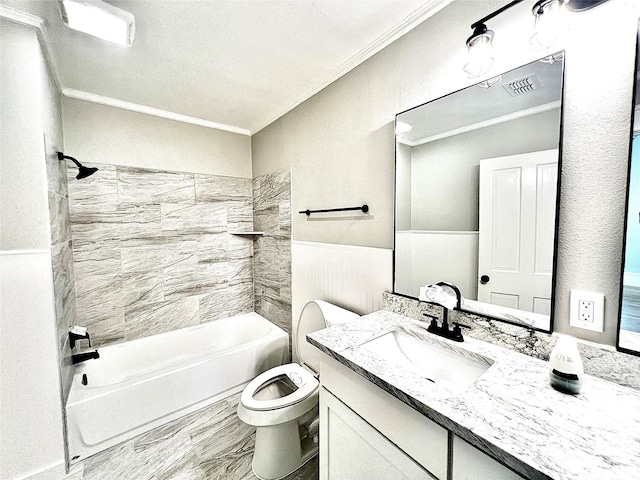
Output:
[[238, 63], [477, 106]]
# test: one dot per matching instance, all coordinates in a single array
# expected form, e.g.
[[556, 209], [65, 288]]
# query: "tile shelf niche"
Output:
[[246, 233]]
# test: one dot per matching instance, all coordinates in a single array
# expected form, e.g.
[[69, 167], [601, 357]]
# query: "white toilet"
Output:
[[283, 402]]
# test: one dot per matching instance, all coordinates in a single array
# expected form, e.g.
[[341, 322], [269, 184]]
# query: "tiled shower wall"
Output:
[[153, 250], [62, 263], [272, 251]]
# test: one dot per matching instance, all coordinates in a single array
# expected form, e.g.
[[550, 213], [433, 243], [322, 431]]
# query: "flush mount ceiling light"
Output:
[[99, 19], [548, 23]]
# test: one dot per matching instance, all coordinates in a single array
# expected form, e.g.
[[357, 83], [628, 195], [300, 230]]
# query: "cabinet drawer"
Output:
[[423, 440]]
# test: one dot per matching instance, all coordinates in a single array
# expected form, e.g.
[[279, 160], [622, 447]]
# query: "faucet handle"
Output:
[[78, 333]]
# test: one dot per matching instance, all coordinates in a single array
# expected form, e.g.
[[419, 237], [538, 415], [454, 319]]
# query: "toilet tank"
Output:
[[316, 315]]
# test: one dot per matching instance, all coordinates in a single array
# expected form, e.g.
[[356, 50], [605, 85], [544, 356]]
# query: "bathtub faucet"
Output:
[[83, 357]]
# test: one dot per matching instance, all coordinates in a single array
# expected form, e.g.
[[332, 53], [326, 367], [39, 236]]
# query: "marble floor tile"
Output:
[[211, 444]]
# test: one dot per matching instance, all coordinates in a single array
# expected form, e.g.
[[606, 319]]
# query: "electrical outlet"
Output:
[[587, 310]]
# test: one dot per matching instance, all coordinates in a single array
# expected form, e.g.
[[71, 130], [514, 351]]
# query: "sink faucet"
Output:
[[83, 357], [442, 330]]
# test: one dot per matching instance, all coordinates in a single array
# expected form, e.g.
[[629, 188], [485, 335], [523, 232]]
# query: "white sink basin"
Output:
[[445, 365]]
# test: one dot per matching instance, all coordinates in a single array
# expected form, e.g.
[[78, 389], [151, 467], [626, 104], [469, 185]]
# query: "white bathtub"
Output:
[[139, 385]]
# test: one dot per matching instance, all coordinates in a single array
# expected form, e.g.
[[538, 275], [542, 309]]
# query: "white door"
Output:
[[517, 225]]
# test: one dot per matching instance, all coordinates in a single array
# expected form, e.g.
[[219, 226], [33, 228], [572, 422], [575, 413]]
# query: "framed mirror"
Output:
[[477, 189], [629, 325]]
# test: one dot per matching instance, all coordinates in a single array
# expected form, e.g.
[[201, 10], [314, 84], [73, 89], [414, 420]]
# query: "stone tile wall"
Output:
[[272, 251], [153, 251], [62, 264]]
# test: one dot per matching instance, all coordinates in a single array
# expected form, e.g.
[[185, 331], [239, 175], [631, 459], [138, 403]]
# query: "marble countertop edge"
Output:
[[510, 412]]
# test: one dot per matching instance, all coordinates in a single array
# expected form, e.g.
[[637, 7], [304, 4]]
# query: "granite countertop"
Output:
[[511, 411]]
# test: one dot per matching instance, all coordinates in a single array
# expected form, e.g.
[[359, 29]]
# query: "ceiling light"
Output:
[[99, 19], [548, 23], [480, 51]]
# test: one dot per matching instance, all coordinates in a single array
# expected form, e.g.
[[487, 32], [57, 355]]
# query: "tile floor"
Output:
[[209, 444]]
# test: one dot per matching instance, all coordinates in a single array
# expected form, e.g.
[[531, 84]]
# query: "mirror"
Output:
[[629, 325], [477, 182]]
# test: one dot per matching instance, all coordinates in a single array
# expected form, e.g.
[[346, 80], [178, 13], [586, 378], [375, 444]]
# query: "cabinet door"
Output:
[[351, 449], [469, 463]]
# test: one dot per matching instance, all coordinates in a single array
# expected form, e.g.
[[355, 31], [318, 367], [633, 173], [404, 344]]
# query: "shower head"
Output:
[[83, 172]]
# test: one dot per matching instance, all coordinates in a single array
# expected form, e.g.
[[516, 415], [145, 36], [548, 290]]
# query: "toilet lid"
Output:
[[316, 315], [305, 382]]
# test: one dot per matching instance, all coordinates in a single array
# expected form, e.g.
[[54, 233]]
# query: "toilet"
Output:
[[282, 403]]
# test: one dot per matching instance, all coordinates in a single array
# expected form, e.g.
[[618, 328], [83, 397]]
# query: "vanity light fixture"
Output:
[[480, 44], [581, 5], [548, 23], [480, 50], [402, 127], [99, 19], [490, 82]]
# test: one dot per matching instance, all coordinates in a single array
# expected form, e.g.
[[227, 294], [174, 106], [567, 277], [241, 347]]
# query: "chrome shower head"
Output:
[[83, 172]]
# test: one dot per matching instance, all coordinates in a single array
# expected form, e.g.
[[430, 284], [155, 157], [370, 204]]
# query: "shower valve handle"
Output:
[[78, 333]]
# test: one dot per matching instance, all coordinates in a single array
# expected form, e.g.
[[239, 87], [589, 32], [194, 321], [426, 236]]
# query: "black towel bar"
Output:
[[364, 208]]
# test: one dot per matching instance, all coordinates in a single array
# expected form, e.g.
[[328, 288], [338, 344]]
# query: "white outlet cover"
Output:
[[598, 310]]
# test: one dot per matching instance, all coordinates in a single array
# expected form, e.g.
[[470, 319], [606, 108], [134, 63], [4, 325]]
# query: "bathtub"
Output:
[[139, 385]]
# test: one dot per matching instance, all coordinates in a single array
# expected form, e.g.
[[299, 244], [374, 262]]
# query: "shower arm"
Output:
[[62, 156]]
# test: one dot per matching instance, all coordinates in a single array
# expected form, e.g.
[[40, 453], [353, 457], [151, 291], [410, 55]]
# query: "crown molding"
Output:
[[156, 112], [23, 18], [409, 23]]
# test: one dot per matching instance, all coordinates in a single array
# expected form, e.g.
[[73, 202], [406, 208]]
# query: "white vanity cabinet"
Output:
[[354, 450], [469, 463], [379, 419], [366, 433]]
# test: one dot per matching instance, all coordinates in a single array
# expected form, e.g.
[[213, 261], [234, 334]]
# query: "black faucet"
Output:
[[83, 357], [454, 334]]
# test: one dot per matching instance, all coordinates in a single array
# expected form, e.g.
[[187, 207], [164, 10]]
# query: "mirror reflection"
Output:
[[629, 332], [476, 193]]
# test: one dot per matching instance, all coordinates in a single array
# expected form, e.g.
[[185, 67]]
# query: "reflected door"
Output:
[[516, 230]]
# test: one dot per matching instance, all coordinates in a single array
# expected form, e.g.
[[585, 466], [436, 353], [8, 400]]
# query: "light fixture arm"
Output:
[[493, 14]]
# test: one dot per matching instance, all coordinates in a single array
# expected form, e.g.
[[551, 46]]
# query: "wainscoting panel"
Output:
[[349, 276]]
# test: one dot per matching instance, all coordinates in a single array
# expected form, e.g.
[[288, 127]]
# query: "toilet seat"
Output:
[[305, 382]]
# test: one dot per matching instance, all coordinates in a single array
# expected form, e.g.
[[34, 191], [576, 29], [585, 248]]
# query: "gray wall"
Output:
[[30, 395], [101, 134], [445, 173], [340, 143]]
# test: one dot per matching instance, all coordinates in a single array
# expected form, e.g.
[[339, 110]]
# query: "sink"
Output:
[[443, 364]]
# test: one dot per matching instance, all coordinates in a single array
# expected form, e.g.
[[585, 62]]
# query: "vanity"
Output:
[[382, 419]]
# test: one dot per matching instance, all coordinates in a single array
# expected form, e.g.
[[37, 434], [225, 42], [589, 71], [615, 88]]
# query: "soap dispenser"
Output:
[[565, 366]]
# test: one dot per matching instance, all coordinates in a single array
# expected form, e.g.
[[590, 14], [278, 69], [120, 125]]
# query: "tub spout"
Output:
[[83, 357]]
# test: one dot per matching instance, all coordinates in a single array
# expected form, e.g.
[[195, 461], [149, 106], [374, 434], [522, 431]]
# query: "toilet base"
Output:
[[279, 450]]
